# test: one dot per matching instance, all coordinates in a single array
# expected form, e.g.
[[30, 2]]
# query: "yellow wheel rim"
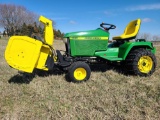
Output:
[[145, 64], [80, 74]]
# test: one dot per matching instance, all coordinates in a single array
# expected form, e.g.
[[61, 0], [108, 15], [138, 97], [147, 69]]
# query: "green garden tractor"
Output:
[[83, 49]]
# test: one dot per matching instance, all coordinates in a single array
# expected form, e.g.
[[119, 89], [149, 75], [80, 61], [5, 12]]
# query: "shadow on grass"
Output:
[[21, 78], [26, 78], [105, 67]]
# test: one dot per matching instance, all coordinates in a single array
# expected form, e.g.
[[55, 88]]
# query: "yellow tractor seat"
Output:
[[130, 31]]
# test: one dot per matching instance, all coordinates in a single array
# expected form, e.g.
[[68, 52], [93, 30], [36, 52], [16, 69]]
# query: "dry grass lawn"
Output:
[[108, 95]]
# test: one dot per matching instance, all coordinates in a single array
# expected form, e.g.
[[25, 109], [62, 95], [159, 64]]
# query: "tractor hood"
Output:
[[86, 43], [90, 33]]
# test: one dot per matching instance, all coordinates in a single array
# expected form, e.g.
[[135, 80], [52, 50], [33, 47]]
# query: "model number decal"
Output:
[[89, 38]]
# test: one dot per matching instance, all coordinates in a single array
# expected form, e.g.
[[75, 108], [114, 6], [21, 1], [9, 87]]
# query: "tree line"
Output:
[[17, 20], [29, 30], [148, 37]]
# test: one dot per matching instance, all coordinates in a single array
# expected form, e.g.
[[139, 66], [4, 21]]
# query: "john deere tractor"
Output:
[[82, 49]]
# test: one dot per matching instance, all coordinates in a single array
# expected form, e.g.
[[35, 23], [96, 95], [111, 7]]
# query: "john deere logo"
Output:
[[88, 38]]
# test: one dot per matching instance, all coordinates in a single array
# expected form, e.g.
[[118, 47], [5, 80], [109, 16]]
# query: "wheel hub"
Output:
[[145, 64], [80, 73]]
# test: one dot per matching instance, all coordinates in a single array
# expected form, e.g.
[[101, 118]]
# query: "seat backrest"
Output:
[[133, 28]]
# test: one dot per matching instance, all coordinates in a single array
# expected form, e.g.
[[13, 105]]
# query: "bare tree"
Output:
[[156, 38], [12, 17], [146, 36]]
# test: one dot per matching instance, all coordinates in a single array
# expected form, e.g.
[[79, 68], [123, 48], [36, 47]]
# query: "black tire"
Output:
[[79, 72], [141, 62]]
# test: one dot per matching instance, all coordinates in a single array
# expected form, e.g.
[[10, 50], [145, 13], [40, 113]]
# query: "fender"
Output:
[[128, 46]]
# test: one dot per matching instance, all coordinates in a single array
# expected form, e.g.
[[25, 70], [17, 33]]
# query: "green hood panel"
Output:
[[90, 33], [86, 43]]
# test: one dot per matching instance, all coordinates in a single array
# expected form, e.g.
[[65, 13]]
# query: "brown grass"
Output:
[[107, 95]]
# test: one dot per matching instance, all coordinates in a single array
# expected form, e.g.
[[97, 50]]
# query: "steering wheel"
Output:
[[110, 26]]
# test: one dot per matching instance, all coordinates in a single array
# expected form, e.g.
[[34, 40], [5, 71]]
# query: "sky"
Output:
[[82, 15]]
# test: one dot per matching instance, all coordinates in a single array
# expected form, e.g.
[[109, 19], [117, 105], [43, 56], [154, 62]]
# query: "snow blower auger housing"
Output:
[[82, 49], [25, 53]]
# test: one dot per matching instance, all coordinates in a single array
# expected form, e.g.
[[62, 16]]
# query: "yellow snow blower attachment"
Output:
[[25, 53]]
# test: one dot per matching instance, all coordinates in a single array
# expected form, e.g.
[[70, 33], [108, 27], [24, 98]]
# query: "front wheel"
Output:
[[141, 62], [79, 72]]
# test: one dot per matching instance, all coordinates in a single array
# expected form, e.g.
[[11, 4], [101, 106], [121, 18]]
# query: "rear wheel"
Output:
[[141, 62], [79, 72]]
